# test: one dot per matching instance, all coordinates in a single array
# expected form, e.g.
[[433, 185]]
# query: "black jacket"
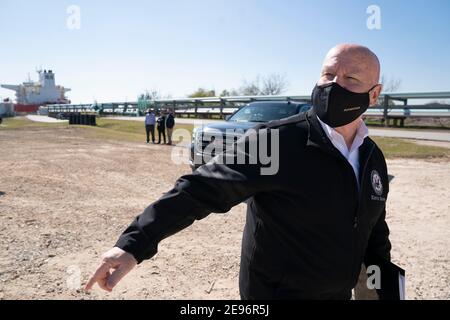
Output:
[[161, 123], [170, 121], [308, 227]]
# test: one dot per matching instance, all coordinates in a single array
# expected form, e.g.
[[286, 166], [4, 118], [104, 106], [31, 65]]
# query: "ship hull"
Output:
[[27, 108]]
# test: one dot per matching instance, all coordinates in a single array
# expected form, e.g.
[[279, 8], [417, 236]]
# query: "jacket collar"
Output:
[[319, 139], [316, 135]]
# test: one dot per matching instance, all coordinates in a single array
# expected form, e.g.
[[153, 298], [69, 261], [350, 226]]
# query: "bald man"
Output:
[[310, 225]]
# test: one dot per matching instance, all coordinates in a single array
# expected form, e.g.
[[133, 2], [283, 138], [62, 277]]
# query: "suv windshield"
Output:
[[264, 112]]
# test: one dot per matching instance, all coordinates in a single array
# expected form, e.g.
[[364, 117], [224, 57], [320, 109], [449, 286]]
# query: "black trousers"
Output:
[[150, 128], [161, 131]]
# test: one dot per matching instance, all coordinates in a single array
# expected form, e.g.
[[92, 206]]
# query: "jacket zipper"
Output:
[[355, 224], [359, 199], [356, 217]]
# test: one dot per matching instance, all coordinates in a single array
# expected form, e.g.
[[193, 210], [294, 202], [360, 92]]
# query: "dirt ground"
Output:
[[64, 199]]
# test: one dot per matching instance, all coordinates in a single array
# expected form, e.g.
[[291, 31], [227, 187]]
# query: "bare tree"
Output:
[[153, 94], [229, 93], [224, 93], [202, 93], [274, 84], [251, 88], [389, 85]]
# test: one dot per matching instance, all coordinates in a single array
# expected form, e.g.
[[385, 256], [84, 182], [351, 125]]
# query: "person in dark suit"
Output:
[[170, 123], [161, 127]]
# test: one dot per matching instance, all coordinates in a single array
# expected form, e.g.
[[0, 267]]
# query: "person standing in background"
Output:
[[170, 123], [161, 127], [150, 125]]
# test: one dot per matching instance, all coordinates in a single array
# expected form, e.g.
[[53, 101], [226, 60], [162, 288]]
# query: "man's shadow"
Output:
[[390, 177]]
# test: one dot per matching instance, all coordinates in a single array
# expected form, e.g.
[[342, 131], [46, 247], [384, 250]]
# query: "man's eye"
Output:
[[351, 78]]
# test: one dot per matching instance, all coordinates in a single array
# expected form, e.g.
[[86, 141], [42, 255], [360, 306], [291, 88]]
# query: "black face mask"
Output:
[[337, 106]]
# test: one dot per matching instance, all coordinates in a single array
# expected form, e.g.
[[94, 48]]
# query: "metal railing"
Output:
[[220, 107]]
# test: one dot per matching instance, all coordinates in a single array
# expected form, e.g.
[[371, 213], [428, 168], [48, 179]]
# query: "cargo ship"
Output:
[[31, 95]]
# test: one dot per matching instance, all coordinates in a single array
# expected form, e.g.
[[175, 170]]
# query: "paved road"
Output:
[[433, 135], [196, 122], [44, 119]]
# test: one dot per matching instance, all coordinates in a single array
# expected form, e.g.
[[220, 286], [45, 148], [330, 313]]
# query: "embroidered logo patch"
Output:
[[376, 182]]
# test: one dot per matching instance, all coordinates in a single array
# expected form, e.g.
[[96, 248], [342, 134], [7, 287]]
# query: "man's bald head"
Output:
[[354, 67], [358, 55]]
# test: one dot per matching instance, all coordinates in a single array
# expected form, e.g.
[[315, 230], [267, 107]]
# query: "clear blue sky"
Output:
[[125, 47]]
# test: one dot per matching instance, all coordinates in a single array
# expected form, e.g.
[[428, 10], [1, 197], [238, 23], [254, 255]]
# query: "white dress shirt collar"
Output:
[[352, 154]]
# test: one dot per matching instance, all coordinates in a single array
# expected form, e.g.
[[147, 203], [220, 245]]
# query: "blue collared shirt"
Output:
[[150, 119]]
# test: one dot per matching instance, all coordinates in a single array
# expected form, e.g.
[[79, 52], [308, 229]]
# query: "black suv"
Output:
[[237, 124]]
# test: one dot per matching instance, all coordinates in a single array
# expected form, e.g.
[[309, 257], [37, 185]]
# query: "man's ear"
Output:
[[375, 93]]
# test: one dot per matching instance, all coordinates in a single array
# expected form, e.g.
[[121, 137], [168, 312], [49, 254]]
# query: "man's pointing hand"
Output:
[[116, 263]]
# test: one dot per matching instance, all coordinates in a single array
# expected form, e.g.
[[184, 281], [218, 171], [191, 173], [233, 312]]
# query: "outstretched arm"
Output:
[[213, 187]]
